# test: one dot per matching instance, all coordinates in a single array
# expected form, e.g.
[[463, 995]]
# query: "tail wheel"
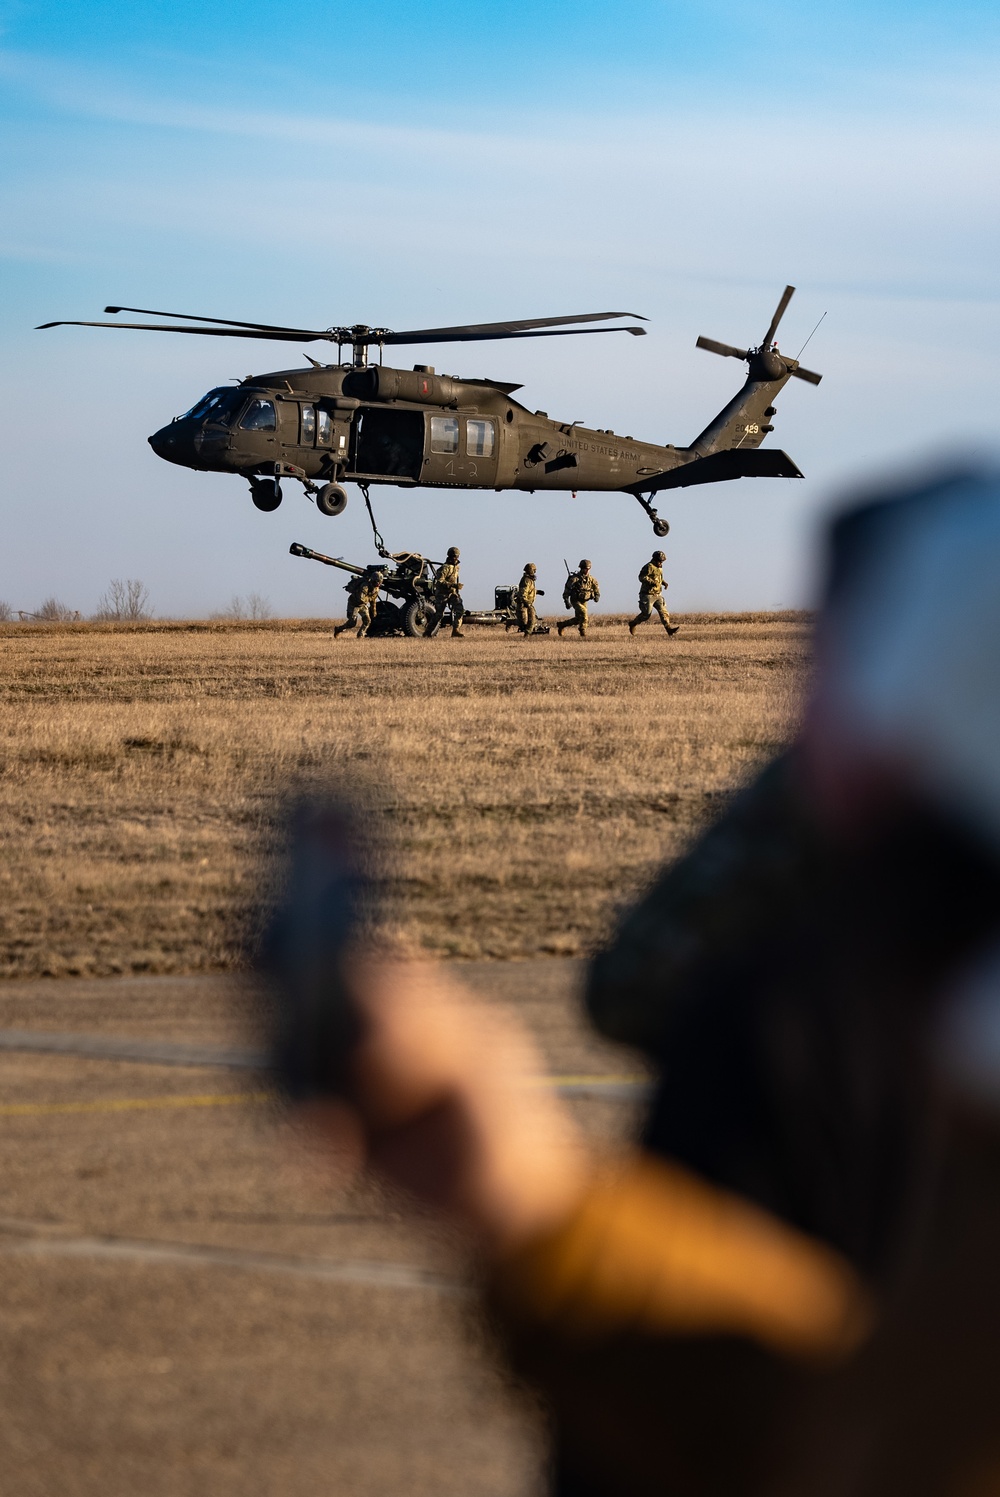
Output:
[[331, 500], [265, 493], [661, 527], [417, 619]]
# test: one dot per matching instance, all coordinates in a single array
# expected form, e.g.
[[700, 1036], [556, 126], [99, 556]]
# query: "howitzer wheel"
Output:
[[331, 500], [661, 527], [265, 493], [417, 619]]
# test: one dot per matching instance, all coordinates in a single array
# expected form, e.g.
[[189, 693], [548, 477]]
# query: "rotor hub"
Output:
[[767, 363]]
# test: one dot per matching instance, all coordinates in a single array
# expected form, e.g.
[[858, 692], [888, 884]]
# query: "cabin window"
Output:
[[259, 417], [307, 425], [444, 434], [479, 438], [217, 405], [324, 428]]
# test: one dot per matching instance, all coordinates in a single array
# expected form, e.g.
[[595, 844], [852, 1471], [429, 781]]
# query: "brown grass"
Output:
[[527, 788]]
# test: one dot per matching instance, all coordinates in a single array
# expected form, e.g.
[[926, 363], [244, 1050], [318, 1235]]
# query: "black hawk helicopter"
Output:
[[370, 424]]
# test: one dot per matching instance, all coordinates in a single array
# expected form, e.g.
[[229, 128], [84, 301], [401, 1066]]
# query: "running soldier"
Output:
[[448, 594], [581, 588], [362, 601], [524, 599], [651, 585]]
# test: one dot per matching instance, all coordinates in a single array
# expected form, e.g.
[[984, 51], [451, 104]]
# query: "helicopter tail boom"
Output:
[[719, 467], [745, 421]]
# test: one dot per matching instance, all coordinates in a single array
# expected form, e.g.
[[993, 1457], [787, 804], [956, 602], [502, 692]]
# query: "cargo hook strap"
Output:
[[379, 542]]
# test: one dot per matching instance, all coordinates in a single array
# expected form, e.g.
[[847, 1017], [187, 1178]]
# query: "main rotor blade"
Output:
[[269, 327], [467, 331], [341, 335], [279, 336], [447, 335], [779, 312], [808, 374], [725, 349], [419, 335]]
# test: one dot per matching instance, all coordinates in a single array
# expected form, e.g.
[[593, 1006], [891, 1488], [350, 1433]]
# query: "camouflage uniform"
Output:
[[362, 602], [651, 585], [447, 594], [524, 599], [580, 589]]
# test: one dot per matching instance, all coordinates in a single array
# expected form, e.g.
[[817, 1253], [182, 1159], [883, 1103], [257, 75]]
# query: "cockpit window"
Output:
[[217, 405], [259, 416]]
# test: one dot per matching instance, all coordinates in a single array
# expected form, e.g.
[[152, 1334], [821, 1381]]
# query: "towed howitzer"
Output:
[[409, 607], [407, 581]]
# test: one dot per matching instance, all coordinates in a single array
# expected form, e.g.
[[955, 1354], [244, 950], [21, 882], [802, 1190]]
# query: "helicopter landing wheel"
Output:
[[417, 619], [265, 493], [331, 500], [661, 527]]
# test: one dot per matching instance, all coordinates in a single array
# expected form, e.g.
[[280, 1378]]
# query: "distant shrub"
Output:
[[234, 609], [126, 601], [54, 612], [6, 612], [258, 606], [253, 606]]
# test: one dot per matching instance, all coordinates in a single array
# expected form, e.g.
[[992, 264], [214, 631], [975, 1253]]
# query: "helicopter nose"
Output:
[[165, 444]]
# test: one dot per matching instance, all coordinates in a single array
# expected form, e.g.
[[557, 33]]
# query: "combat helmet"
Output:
[[659, 557], [453, 553], [585, 565], [529, 566]]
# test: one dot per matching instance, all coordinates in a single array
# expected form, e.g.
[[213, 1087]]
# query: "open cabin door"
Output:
[[389, 444]]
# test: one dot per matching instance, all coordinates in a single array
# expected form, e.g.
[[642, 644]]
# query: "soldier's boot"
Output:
[[671, 629], [559, 629], [456, 632], [632, 628], [338, 630], [583, 631]]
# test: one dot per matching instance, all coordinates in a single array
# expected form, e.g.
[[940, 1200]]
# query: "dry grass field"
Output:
[[525, 788]]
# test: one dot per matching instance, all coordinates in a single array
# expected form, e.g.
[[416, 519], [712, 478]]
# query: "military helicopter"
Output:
[[367, 423]]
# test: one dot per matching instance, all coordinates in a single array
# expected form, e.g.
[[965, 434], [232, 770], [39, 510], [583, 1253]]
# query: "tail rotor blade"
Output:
[[779, 312], [807, 374], [726, 350]]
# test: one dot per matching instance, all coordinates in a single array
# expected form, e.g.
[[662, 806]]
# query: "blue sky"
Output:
[[416, 164]]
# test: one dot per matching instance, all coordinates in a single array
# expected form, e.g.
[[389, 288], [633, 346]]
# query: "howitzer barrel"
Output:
[[331, 561]]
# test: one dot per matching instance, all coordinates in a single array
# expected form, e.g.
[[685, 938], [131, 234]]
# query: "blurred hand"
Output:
[[449, 1103]]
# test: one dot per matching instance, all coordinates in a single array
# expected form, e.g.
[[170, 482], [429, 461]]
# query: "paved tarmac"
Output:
[[191, 1307]]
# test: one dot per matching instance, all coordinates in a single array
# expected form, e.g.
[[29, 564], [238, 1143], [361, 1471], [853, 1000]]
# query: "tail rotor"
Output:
[[764, 360]]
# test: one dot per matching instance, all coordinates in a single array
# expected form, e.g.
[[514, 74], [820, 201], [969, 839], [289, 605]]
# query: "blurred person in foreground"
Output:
[[792, 1286]]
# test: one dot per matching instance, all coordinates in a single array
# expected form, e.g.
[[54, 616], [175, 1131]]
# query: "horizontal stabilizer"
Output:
[[752, 462]]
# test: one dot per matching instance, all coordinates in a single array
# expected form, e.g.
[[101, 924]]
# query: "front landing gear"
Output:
[[265, 493], [660, 527]]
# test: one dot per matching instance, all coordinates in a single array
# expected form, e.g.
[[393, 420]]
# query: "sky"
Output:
[[408, 165]]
